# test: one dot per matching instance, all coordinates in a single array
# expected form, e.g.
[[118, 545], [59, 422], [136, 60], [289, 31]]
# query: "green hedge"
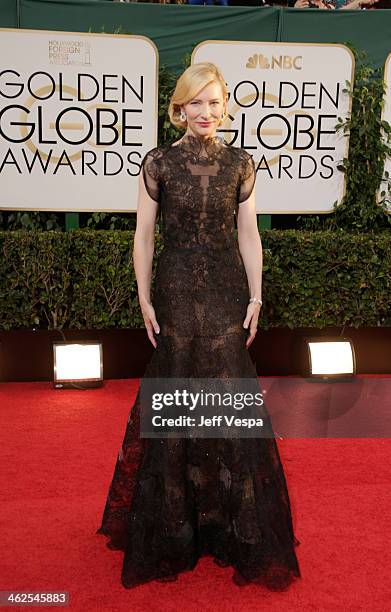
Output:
[[85, 279]]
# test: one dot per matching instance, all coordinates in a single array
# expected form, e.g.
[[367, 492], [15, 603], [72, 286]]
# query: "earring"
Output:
[[183, 116]]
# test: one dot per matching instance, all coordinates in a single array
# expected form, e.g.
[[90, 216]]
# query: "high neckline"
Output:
[[198, 142], [193, 137]]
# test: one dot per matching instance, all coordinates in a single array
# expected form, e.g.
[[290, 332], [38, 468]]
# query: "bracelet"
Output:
[[254, 299]]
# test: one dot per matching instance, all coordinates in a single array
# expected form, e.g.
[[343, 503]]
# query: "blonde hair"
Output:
[[191, 81]]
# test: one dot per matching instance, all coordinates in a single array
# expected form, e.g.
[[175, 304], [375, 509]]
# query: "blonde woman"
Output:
[[174, 500]]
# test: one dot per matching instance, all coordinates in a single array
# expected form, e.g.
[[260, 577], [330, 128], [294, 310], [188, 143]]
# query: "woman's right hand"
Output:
[[151, 324]]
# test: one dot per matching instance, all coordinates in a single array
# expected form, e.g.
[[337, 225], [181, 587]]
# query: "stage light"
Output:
[[77, 364], [330, 357]]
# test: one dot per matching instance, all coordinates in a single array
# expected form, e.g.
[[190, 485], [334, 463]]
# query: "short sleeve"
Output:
[[247, 176], [151, 173]]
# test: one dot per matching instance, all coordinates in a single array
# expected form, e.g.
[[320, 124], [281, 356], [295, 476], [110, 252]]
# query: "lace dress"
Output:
[[173, 500]]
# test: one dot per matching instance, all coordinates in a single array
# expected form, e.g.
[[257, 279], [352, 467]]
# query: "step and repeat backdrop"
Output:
[[285, 99], [79, 111]]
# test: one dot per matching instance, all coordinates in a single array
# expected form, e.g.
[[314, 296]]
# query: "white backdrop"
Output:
[[78, 112], [284, 96]]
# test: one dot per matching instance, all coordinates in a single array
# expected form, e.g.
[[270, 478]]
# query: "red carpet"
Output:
[[58, 453]]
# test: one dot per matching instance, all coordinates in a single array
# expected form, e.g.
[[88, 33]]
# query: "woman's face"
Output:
[[204, 110]]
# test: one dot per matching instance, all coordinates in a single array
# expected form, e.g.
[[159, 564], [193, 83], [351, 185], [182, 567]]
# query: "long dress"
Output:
[[172, 501]]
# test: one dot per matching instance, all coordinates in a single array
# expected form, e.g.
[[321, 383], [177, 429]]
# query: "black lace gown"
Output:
[[173, 500]]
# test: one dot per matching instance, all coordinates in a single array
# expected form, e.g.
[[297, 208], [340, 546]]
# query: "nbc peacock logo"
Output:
[[282, 62]]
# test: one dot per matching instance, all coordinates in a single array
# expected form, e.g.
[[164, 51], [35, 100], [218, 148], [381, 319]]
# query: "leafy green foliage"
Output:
[[330, 278], [85, 279]]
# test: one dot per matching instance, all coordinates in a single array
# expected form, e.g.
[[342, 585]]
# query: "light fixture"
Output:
[[77, 365], [330, 357]]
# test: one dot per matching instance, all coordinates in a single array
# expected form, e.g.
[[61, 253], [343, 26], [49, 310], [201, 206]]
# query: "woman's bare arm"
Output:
[[250, 247], [143, 250]]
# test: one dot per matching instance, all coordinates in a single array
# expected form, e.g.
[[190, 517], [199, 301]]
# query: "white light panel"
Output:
[[331, 357], [78, 361]]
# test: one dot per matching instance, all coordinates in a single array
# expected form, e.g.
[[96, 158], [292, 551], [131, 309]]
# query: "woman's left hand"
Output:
[[253, 310]]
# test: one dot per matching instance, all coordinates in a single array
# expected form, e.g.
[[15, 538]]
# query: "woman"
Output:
[[173, 500]]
